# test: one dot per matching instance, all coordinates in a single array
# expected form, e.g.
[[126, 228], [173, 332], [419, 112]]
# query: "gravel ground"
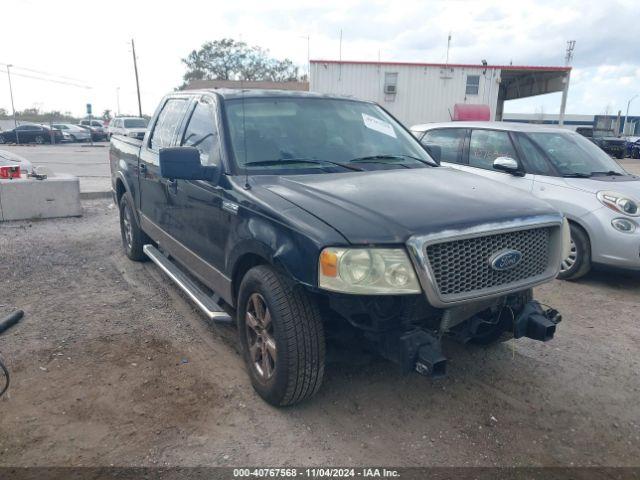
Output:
[[113, 366]]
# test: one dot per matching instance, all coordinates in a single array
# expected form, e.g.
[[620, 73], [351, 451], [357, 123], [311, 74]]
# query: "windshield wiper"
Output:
[[289, 161], [576, 175], [389, 157], [609, 173]]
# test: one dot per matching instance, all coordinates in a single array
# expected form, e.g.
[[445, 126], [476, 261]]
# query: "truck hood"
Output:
[[390, 206], [629, 184]]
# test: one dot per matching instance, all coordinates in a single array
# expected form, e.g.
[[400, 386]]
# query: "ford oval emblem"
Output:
[[505, 260]]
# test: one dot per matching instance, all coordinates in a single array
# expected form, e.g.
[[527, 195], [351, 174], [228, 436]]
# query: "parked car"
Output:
[[634, 149], [308, 214], [31, 133], [74, 132], [605, 139], [134, 127], [629, 143], [597, 195], [10, 158], [96, 127]]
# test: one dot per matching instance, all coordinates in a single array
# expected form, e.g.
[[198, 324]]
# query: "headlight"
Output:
[[619, 202], [624, 225], [369, 271]]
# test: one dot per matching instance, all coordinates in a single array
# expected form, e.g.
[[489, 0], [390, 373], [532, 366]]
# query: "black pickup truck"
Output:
[[308, 217]]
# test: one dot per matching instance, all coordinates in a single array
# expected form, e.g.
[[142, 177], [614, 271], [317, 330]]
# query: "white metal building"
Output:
[[427, 92]]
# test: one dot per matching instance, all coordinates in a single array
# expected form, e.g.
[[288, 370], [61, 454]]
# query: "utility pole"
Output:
[[571, 44], [118, 98], [446, 62], [135, 67], [15, 121], [626, 116]]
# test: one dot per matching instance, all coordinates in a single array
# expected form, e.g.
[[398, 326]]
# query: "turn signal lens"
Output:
[[329, 263]]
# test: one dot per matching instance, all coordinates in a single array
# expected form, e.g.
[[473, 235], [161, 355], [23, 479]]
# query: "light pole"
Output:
[[118, 98], [15, 121], [626, 116], [135, 68]]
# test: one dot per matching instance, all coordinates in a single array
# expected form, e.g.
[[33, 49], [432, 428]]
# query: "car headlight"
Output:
[[619, 202], [369, 271]]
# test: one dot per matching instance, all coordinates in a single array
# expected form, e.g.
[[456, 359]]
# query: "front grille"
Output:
[[461, 267]]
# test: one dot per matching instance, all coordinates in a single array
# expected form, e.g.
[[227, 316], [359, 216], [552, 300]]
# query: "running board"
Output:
[[207, 304]]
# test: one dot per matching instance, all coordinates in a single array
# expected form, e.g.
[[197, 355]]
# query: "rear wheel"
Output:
[[282, 337], [39, 140], [578, 263], [133, 238], [2, 140]]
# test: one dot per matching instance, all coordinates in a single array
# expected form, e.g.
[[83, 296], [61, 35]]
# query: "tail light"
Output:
[[10, 172]]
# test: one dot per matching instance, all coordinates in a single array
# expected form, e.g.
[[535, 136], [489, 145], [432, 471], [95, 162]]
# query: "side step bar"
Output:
[[210, 308]]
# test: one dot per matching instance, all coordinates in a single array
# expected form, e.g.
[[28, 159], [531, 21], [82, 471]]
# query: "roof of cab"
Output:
[[505, 126], [232, 93]]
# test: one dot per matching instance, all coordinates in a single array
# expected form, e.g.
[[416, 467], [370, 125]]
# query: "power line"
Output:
[[61, 82], [45, 73]]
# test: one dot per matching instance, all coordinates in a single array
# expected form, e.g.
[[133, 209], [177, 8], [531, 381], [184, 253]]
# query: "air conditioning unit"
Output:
[[390, 89]]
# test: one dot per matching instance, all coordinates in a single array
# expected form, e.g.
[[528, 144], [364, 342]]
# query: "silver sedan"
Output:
[[600, 199], [73, 132]]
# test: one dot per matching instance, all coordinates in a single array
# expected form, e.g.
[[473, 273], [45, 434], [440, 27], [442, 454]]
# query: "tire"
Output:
[[133, 238], [578, 263], [73, 138], [291, 370], [635, 153], [620, 155], [2, 140], [39, 140]]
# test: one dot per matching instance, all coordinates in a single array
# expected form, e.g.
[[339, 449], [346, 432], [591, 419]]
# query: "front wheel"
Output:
[[39, 140], [282, 337], [578, 263]]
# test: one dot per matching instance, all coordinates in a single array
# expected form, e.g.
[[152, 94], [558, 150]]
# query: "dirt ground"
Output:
[[113, 366]]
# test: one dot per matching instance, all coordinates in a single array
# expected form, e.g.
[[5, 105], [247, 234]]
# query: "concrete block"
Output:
[[27, 198]]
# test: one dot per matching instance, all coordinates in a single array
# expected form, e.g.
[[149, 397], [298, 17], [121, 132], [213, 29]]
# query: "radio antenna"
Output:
[[244, 140]]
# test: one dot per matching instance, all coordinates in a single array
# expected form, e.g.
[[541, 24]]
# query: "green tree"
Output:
[[228, 59]]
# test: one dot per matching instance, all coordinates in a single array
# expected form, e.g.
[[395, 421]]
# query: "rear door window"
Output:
[[487, 145], [168, 123], [202, 133], [450, 141]]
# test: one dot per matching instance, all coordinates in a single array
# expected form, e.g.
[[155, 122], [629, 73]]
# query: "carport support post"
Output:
[[563, 102]]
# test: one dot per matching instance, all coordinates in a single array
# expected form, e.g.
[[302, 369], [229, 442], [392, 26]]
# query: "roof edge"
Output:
[[451, 65]]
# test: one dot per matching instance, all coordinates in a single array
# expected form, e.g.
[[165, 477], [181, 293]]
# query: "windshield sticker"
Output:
[[378, 125]]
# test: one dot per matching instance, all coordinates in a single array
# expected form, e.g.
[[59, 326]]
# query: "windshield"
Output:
[[573, 154], [135, 123], [270, 134]]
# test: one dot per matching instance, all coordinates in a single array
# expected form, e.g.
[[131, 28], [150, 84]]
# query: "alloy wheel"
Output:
[[127, 227], [260, 339], [571, 260]]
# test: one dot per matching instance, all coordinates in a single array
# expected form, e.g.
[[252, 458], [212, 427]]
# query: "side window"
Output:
[[449, 140], [487, 145], [536, 161], [473, 84], [168, 122], [202, 133]]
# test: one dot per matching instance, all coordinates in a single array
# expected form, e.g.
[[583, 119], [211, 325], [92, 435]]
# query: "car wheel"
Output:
[[282, 337], [635, 153], [73, 138], [39, 139], [620, 155], [578, 263], [133, 238], [2, 140]]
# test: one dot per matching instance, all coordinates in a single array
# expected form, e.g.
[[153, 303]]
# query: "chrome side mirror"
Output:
[[507, 164]]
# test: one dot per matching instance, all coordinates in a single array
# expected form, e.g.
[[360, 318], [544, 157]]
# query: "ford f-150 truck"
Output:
[[308, 216]]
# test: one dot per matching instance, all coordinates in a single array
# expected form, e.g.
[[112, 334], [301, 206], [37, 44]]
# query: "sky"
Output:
[[85, 46]]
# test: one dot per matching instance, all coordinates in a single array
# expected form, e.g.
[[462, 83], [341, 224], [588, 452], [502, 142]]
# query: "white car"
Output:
[[134, 127], [10, 158], [600, 199]]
